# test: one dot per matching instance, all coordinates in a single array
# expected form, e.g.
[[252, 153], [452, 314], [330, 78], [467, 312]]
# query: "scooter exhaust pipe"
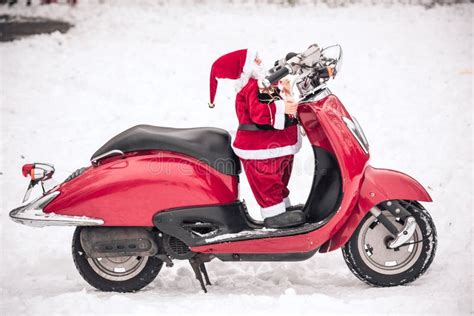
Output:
[[106, 242]]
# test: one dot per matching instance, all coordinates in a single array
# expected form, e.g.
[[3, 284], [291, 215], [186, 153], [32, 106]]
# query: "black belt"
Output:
[[264, 127], [255, 127]]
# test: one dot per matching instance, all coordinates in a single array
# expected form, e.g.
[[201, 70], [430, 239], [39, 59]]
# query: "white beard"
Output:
[[257, 72]]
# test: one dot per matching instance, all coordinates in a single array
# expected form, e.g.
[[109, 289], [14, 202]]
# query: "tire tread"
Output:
[[379, 280]]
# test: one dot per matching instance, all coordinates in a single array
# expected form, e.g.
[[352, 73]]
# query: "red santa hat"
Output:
[[230, 66]]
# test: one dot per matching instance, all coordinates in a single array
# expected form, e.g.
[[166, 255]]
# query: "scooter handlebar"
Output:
[[277, 75]]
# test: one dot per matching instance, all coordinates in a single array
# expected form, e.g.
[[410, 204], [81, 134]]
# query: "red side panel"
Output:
[[307, 114], [340, 238], [379, 185], [129, 191]]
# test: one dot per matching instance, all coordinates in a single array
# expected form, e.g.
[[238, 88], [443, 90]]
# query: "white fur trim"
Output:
[[247, 70], [250, 60], [273, 210], [261, 154], [279, 122], [242, 81], [287, 202]]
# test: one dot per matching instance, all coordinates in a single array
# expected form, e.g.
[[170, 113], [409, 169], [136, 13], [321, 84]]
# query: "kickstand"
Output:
[[204, 271], [197, 263]]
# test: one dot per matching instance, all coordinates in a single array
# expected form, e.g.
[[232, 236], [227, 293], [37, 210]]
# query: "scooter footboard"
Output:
[[377, 186]]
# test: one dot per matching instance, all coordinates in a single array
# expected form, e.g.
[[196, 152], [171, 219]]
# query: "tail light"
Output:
[[27, 169], [38, 172]]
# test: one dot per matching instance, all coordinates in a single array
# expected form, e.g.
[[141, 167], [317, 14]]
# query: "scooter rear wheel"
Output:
[[118, 274], [372, 261]]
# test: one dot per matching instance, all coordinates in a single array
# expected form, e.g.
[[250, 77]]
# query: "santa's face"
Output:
[[258, 71]]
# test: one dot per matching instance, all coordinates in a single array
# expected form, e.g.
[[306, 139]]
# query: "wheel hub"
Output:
[[118, 268], [373, 246]]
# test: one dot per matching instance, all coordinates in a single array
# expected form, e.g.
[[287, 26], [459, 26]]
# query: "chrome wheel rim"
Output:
[[372, 246], [118, 268]]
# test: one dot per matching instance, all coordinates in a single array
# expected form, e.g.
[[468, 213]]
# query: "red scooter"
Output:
[[153, 195]]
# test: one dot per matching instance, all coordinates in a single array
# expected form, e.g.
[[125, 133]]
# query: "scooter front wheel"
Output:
[[372, 261], [117, 274]]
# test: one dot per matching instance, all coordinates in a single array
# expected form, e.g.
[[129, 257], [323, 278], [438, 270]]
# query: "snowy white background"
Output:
[[407, 76]]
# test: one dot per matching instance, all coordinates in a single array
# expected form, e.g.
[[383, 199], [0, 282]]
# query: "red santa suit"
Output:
[[266, 149]]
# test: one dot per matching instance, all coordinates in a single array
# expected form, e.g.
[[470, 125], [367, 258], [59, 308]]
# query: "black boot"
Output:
[[297, 207], [284, 220]]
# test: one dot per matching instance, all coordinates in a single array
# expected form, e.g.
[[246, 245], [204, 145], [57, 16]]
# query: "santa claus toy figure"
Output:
[[267, 137]]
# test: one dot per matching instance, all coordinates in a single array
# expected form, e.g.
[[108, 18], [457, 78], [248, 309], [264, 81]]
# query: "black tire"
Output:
[[412, 268], [146, 274]]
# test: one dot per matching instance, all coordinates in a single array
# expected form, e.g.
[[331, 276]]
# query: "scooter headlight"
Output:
[[354, 126]]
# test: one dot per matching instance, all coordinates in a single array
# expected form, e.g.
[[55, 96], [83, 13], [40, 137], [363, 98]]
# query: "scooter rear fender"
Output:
[[129, 191], [377, 186]]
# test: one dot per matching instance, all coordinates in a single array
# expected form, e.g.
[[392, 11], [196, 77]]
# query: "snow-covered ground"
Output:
[[407, 76]]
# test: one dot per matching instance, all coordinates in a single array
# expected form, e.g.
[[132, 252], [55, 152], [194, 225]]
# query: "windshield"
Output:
[[332, 56]]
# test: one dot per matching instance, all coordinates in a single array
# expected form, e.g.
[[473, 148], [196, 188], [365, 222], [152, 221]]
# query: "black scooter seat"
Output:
[[209, 145]]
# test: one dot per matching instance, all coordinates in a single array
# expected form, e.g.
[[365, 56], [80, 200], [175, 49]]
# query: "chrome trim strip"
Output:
[[356, 133], [324, 92], [114, 152], [32, 214]]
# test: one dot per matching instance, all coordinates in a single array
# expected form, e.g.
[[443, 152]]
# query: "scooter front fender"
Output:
[[377, 186], [381, 185]]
